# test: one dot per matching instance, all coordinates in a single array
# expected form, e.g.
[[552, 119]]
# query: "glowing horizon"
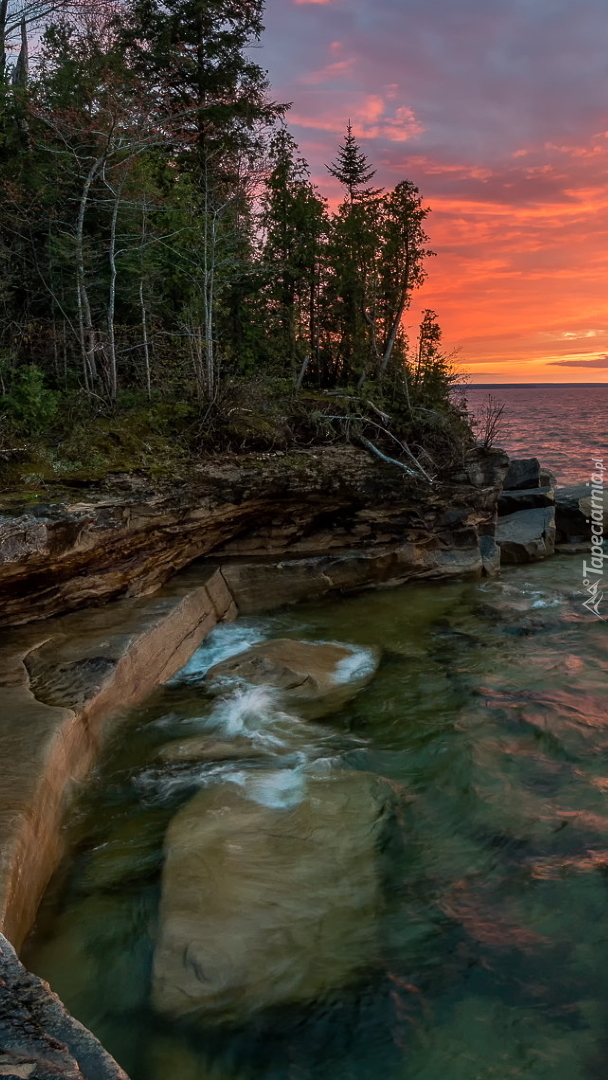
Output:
[[494, 112]]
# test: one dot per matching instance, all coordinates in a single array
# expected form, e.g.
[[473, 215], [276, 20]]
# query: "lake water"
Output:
[[488, 719], [566, 427]]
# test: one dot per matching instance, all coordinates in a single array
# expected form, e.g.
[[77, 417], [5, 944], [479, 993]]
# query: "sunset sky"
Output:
[[498, 111]]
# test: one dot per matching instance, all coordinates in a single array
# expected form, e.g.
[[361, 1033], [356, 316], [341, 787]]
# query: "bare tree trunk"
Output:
[[113, 373], [85, 326], [144, 328], [3, 58], [22, 67], [209, 257], [392, 337], [142, 307]]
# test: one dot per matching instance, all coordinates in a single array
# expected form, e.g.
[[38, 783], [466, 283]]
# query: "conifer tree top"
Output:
[[352, 168]]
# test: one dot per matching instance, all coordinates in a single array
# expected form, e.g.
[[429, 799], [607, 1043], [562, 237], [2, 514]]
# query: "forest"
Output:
[[171, 279]]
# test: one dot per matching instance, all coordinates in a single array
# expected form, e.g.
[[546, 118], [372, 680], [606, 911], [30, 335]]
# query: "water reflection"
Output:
[[488, 721]]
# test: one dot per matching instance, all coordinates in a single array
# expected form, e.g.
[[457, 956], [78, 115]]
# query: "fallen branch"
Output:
[[365, 419], [384, 457], [420, 471]]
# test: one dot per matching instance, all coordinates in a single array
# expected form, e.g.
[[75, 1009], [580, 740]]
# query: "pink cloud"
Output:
[[369, 114], [338, 70]]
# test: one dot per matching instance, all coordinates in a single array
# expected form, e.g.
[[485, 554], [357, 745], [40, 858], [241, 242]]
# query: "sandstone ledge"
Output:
[[59, 681], [130, 537]]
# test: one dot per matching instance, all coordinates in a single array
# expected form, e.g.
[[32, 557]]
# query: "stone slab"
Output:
[[527, 499]]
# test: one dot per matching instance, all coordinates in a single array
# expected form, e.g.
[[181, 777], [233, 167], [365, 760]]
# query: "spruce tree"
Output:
[[352, 168]]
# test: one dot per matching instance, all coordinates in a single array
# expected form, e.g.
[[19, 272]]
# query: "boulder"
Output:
[[204, 748], [38, 1037], [526, 499], [573, 514], [315, 678], [523, 473], [526, 536], [271, 893]]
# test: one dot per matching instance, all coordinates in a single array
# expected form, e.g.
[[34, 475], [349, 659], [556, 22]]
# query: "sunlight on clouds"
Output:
[[370, 115]]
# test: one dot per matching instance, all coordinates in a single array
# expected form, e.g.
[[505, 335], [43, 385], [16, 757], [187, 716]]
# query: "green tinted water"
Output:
[[491, 708]]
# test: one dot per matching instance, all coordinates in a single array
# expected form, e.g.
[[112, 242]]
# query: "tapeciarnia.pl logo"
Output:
[[593, 572]]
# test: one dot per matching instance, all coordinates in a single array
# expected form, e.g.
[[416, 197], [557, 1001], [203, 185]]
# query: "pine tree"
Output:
[[352, 168], [196, 53], [295, 220]]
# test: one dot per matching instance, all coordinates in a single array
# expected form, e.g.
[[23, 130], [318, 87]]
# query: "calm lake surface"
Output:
[[489, 713], [565, 426]]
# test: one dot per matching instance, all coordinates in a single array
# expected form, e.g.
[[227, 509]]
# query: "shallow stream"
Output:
[[489, 714]]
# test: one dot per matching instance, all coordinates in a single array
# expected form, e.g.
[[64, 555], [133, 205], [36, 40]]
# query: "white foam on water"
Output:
[[160, 785], [251, 712], [224, 641], [361, 663], [280, 789]]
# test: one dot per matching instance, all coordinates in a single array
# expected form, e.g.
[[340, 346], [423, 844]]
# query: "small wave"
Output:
[[161, 786], [280, 789], [359, 665], [251, 712], [224, 641]]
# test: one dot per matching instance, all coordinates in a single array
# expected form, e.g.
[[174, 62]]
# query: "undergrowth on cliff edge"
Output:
[[46, 440]]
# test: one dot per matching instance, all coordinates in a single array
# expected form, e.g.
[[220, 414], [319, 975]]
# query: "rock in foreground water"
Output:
[[271, 893], [527, 536], [316, 678]]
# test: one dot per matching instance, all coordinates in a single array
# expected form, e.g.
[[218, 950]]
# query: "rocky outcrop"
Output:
[[527, 536], [58, 684], [315, 679], [271, 893], [526, 513], [573, 514], [38, 1038], [527, 499], [371, 521], [523, 473]]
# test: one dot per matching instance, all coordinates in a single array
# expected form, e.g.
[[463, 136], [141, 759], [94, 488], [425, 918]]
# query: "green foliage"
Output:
[[31, 406], [170, 277]]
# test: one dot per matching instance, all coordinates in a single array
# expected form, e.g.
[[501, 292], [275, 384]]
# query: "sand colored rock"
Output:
[[129, 535], [270, 895], [58, 684], [315, 678], [205, 748]]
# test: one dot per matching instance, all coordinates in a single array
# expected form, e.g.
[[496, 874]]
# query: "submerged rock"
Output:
[[527, 536], [271, 893], [316, 678], [204, 748]]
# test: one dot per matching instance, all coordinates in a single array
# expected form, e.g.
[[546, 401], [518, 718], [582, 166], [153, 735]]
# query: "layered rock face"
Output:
[[271, 893], [367, 520]]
